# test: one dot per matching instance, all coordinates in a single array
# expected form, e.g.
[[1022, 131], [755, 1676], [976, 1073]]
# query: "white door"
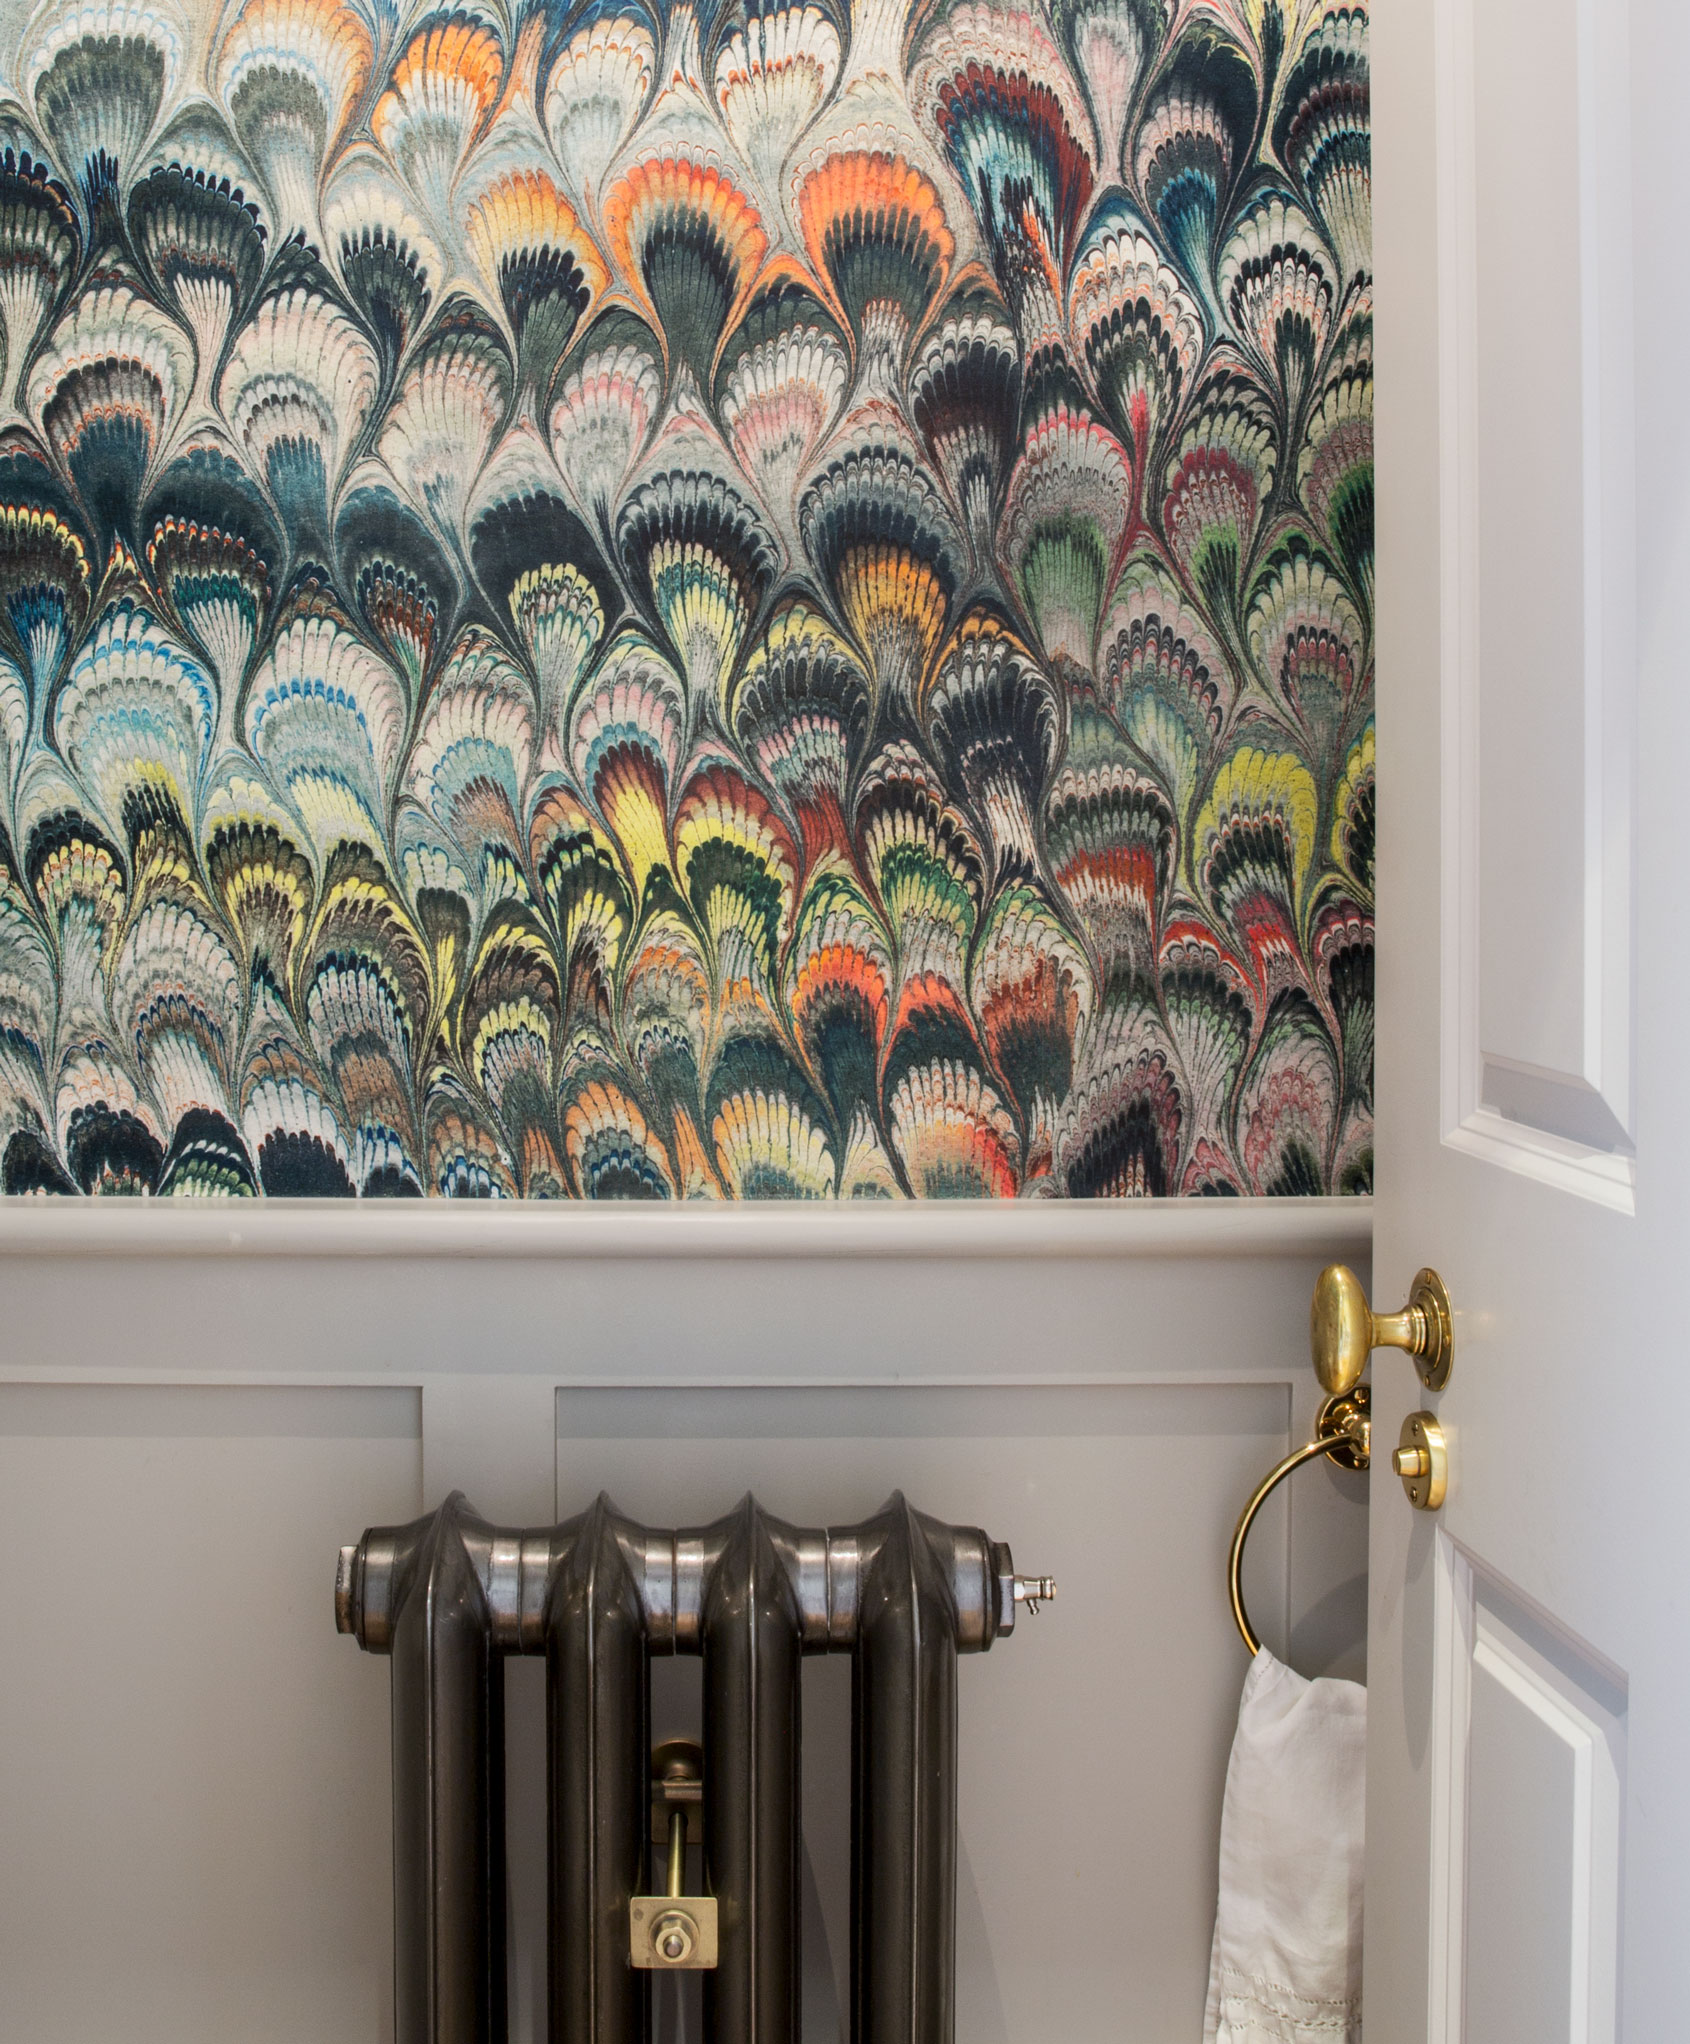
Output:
[[1529, 1644]]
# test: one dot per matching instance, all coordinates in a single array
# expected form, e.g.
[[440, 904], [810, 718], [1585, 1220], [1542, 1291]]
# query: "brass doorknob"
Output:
[[1344, 1330]]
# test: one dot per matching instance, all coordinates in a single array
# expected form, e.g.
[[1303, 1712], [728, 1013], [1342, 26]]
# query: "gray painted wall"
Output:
[[193, 1792]]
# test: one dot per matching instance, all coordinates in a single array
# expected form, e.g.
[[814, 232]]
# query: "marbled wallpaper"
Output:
[[686, 599]]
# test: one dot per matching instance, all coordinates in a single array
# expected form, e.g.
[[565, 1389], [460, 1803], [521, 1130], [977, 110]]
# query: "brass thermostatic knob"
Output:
[[1422, 1461], [1344, 1330]]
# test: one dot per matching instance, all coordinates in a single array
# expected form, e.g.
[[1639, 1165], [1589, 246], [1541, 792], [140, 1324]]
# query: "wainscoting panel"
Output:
[[1091, 1730], [194, 1809], [194, 1801]]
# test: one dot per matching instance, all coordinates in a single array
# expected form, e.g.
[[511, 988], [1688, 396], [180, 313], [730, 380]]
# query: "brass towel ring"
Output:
[[1342, 1432]]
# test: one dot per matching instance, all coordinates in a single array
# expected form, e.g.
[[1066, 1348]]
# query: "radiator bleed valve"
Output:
[[1034, 1591], [674, 1932]]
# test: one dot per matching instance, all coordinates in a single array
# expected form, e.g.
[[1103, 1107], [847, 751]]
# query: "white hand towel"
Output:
[[1286, 1964]]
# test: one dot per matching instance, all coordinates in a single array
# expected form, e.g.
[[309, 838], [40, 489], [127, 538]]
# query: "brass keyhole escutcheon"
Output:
[[1344, 1330], [1422, 1461]]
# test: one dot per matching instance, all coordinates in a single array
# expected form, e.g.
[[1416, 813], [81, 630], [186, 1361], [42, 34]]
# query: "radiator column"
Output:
[[448, 1787], [598, 1783], [903, 1786], [751, 1778]]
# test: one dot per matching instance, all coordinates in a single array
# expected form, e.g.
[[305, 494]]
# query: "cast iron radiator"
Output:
[[449, 1596]]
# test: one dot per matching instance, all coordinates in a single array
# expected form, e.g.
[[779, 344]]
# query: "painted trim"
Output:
[[1581, 1738], [1452, 1664], [101, 1377], [1472, 1123], [1472, 1629], [1596, 1175], [1332, 1228]]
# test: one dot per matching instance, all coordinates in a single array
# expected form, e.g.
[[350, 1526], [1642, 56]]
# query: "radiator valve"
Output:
[[672, 1932]]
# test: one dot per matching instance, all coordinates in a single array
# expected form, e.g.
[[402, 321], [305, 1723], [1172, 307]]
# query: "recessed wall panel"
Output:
[[1096, 1736], [194, 1802]]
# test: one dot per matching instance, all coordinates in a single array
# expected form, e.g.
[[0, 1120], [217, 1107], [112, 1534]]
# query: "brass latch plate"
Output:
[[1422, 1461], [672, 1933]]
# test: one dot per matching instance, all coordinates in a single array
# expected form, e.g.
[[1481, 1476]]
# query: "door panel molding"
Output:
[[1485, 1634], [1565, 1120]]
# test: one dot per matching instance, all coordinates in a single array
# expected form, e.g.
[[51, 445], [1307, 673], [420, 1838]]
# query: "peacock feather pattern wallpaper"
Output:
[[686, 598]]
